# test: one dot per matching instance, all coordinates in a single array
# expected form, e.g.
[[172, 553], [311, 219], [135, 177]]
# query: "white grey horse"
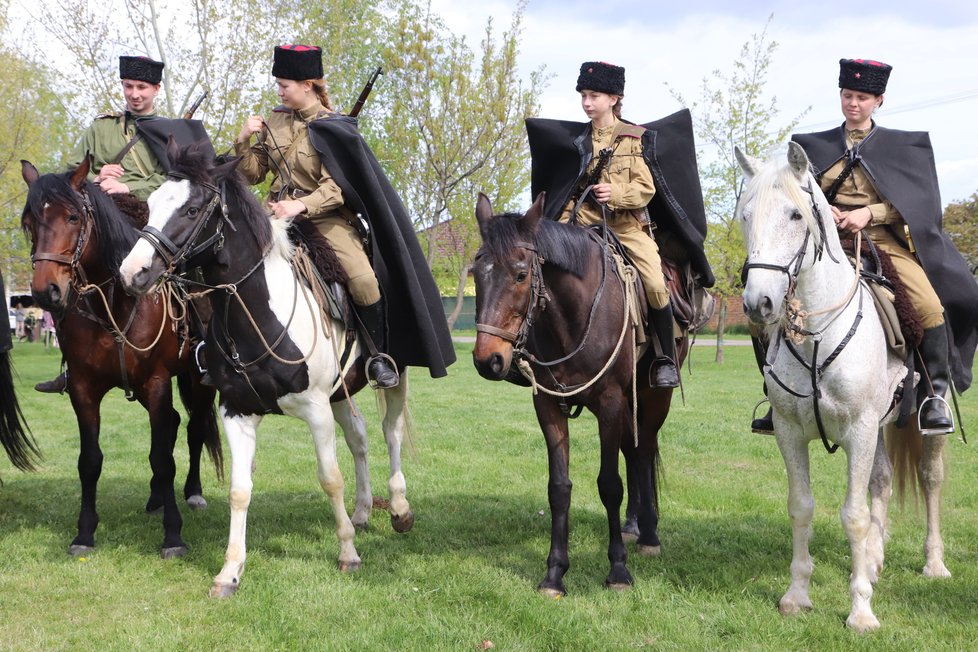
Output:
[[829, 372]]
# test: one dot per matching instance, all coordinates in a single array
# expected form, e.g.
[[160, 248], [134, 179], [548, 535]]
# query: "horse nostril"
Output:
[[496, 363]]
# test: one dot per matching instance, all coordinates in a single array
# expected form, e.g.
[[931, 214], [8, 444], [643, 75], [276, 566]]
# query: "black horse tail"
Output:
[[15, 435], [198, 399]]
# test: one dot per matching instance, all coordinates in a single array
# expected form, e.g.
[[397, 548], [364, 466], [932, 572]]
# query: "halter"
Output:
[[175, 256], [792, 331]]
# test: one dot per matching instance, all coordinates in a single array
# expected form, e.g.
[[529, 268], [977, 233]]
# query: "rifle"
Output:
[[196, 105], [355, 111], [138, 136]]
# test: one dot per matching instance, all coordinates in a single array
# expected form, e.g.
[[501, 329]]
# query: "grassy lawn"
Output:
[[466, 574]]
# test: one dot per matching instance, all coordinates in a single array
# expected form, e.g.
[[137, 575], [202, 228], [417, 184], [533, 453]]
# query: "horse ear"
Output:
[[797, 159], [532, 217], [172, 149], [483, 213], [222, 171], [28, 171], [80, 174], [747, 163]]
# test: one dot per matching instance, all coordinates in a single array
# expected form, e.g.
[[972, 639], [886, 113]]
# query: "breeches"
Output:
[[908, 268], [644, 252], [345, 240]]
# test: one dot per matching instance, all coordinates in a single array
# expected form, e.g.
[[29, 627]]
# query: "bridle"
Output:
[[536, 302], [176, 256], [793, 332], [77, 277]]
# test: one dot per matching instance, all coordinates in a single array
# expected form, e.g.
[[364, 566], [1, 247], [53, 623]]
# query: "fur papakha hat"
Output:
[[864, 75], [141, 69], [601, 77], [298, 62]]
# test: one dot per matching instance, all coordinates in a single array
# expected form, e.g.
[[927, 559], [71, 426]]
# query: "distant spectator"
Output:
[[19, 312], [48, 335]]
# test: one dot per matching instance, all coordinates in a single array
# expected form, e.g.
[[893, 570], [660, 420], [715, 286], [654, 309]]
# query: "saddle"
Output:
[[331, 276], [900, 319], [692, 305]]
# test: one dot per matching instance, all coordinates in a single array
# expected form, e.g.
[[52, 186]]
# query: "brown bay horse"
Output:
[[549, 298], [78, 237]]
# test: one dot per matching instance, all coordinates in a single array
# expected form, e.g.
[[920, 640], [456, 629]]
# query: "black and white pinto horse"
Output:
[[269, 348]]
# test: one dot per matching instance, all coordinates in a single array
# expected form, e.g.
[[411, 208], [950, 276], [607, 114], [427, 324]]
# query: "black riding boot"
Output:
[[763, 425], [664, 372], [380, 366], [934, 419], [55, 385]]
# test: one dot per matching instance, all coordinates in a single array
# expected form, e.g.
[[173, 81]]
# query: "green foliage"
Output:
[[961, 224], [34, 130], [476, 475]]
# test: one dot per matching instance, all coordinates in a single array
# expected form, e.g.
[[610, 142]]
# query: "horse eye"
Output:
[[73, 218], [796, 215], [521, 277], [192, 211]]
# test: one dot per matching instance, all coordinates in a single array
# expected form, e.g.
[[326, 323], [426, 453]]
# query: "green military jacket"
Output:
[[105, 138]]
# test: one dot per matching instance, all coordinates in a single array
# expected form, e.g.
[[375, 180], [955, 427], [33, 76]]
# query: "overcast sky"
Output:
[[932, 46]]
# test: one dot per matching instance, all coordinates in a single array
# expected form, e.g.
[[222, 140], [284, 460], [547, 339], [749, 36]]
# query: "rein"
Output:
[[793, 332]]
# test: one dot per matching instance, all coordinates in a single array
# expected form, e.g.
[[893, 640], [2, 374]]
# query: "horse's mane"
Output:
[[195, 163], [564, 246], [773, 180], [116, 233]]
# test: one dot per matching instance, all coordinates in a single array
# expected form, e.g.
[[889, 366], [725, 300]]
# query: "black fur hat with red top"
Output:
[[141, 69], [601, 77], [864, 75], [298, 62]]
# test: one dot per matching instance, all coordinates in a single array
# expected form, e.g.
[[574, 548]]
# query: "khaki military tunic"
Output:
[[632, 189], [105, 138], [284, 149], [858, 191]]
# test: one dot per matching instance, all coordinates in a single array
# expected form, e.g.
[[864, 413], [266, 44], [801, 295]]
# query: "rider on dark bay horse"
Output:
[[609, 176], [320, 167], [137, 171]]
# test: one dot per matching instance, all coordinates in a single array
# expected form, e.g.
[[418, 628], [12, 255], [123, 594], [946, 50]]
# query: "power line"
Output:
[[906, 108]]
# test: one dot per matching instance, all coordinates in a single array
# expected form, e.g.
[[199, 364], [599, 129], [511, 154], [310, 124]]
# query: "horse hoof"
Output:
[[649, 551], [630, 531], [349, 566], [790, 607], [76, 550], [221, 590], [173, 552], [360, 526], [862, 623], [403, 523], [618, 587], [629, 537], [936, 570], [553, 594], [196, 502], [154, 511]]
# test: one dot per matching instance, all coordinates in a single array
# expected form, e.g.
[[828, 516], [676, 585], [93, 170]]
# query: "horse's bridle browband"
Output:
[[174, 256]]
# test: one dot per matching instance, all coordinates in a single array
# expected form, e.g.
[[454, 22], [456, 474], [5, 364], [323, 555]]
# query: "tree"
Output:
[[733, 110], [33, 130], [961, 224], [453, 128]]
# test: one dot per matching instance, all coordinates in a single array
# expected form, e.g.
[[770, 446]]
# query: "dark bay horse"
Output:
[[269, 348], [548, 297], [78, 237]]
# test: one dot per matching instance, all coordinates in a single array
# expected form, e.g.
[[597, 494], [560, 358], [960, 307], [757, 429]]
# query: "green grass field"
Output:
[[466, 574]]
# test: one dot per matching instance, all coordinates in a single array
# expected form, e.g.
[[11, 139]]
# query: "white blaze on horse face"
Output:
[[163, 203]]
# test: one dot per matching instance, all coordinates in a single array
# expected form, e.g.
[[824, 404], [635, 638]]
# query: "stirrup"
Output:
[[754, 419], [935, 431], [390, 362]]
